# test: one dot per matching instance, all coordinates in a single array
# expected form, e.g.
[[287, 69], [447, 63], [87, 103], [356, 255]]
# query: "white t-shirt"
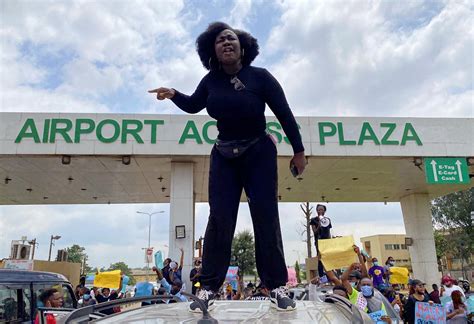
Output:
[[449, 290]]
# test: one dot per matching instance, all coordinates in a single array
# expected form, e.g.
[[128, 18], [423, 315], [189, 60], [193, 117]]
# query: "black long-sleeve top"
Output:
[[240, 114]]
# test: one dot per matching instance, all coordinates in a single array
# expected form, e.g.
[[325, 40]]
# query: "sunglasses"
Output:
[[238, 85]]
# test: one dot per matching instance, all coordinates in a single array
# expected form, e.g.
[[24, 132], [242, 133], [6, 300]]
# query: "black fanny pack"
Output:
[[235, 148]]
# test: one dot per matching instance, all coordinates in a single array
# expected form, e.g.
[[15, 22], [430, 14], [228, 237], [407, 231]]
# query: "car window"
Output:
[[15, 303], [62, 288]]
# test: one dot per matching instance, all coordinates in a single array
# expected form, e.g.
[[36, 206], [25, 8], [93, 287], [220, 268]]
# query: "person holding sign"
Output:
[[419, 295], [244, 157]]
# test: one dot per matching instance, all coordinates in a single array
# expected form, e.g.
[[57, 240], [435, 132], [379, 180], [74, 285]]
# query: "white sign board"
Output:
[[19, 264]]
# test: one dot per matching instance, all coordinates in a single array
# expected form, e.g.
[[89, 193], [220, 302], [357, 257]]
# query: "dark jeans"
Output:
[[255, 172]]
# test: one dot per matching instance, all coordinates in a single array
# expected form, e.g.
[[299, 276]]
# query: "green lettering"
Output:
[[190, 132], [385, 139], [134, 132], [370, 136], [61, 131], [33, 133], [323, 133], [205, 130], [407, 137], [47, 123], [274, 132], [114, 136], [79, 130], [287, 141], [342, 141], [153, 124]]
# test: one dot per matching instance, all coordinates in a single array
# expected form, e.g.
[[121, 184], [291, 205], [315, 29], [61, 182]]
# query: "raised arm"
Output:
[[363, 267], [181, 260]]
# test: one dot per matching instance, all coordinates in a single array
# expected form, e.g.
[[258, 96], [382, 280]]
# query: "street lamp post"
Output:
[[56, 237], [149, 236]]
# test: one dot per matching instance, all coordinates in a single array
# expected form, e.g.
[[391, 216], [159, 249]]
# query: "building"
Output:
[[383, 246]]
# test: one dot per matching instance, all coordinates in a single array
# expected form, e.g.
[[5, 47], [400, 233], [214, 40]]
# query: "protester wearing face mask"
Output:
[[377, 272], [176, 270], [418, 295], [388, 264]]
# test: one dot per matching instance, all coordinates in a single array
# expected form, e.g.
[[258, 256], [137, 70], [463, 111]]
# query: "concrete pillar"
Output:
[[182, 213], [417, 218]]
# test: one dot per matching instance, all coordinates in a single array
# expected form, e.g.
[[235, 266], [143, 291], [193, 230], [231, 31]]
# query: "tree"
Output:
[[454, 230], [306, 232], [122, 266], [77, 254], [243, 253], [298, 272]]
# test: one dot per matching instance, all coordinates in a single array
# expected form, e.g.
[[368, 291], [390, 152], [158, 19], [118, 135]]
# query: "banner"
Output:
[[231, 276], [429, 314], [292, 277], [159, 260], [18, 264], [107, 279], [337, 253], [398, 275], [149, 255]]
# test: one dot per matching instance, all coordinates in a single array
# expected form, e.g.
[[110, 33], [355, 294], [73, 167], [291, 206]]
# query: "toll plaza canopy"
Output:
[[55, 158]]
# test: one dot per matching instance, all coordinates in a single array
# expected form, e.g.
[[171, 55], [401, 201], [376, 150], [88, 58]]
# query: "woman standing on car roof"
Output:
[[244, 156]]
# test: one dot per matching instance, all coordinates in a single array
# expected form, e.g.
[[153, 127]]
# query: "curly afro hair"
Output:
[[205, 45]]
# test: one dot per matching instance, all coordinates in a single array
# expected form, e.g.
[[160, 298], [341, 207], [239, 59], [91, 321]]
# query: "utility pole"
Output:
[[149, 239], [33, 243], [57, 237]]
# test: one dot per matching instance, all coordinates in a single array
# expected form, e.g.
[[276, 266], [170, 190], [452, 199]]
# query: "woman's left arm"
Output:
[[276, 100]]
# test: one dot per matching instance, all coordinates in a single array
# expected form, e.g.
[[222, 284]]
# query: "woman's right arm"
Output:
[[191, 104]]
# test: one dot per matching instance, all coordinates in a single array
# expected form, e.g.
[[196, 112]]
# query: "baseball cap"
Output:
[[416, 282], [355, 274]]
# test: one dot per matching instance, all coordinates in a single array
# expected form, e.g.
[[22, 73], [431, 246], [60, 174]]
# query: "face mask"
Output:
[[376, 264], [86, 296], [354, 284], [392, 263], [367, 291]]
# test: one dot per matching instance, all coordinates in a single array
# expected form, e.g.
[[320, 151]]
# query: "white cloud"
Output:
[[240, 14], [369, 58]]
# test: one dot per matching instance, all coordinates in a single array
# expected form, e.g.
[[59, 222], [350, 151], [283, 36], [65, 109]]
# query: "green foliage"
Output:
[[243, 253], [454, 231], [77, 254], [298, 272], [122, 266]]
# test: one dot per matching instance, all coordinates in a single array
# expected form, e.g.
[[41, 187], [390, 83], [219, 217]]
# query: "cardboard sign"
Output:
[[398, 275], [231, 276], [377, 316], [429, 314], [107, 279], [337, 253]]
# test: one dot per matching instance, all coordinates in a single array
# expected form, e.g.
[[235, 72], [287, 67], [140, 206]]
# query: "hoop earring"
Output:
[[210, 63], [243, 52]]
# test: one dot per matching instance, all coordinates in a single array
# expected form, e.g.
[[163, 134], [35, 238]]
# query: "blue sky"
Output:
[[333, 58]]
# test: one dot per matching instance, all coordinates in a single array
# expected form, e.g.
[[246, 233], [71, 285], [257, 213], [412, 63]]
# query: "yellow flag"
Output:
[[107, 279], [337, 252], [398, 275]]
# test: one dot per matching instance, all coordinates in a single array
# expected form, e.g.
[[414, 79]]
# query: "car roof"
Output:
[[234, 312], [23, 276]]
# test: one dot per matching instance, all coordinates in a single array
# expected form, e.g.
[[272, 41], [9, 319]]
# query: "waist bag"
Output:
[[235, 148]]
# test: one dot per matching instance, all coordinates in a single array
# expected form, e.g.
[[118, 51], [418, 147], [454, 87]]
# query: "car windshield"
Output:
[[14, 303]]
